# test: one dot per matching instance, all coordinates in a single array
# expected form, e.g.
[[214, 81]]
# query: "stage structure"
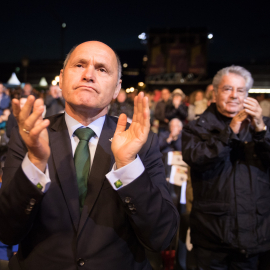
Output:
[[177, 57]]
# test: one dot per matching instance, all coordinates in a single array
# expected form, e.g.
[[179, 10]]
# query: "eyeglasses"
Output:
[[230, 88]]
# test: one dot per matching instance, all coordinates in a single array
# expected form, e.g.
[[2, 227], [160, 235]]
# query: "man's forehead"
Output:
[[93, 48], [232, 77]]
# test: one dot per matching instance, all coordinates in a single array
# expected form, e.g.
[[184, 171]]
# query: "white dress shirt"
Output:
[[126, 174]]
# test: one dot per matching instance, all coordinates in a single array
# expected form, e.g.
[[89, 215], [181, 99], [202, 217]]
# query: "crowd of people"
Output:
[[223, 135]]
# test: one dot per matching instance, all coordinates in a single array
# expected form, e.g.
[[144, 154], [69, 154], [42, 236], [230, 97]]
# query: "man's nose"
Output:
[[234, 93], [89, 74]]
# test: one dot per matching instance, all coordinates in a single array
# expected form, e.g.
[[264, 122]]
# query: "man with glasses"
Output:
[[227, 149]]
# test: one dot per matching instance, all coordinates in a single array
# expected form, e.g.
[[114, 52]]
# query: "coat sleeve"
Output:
[[202, 150], [147, 201], [19, 198]]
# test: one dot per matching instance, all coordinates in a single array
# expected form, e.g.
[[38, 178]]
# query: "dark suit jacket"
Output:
[[114, 225]]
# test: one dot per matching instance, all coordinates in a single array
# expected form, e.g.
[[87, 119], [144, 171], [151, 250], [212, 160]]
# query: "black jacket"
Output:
[[160, 113], [114, 226], [181, 112], [230, 179]]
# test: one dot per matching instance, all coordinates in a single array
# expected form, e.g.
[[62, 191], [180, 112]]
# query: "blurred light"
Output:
[[142, 36], [253, 90], [54, 82], [125, 65], [127, 90], [131, 89], [64, 25], [17, 69], [43, 82], [145, 58], [182, 80], [56, 78], [141, 84], [210, 36]]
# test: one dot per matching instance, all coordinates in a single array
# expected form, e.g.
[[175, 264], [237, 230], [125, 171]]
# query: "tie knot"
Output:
[[84, 133]]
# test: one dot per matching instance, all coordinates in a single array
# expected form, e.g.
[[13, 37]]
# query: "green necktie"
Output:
[[82, 161]]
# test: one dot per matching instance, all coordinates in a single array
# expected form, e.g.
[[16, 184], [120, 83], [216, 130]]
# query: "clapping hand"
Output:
[[237, 121], [253, 108], [127, 143], [33, 130]]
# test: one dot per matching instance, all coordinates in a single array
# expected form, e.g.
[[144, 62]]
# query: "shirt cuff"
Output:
[[125, 175], [41, 180]]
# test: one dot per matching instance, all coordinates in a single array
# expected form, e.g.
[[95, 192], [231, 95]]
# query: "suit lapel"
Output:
[[102, 164], [62, 157]]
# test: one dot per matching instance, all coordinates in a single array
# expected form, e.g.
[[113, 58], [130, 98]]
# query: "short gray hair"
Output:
[[176, 119], [119, 66], [235, 70]]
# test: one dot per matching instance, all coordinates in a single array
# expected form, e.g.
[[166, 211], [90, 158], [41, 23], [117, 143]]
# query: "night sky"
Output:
[[33, 29]]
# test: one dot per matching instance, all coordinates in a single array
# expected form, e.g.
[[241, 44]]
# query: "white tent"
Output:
[[43, 82], [13, 80]]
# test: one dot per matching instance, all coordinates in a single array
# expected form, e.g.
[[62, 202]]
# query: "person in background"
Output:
[[6, 251], [198, 104], [11, 122], [152, 106], [176, 109], [4, 99], [171, 140], [54, 101], [264, 103], [208, 91], [159, 113], [121, 106], [28, 90], [227, 150], [4, 117]]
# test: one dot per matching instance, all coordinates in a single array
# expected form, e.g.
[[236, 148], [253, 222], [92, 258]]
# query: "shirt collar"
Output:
[[73, 124]]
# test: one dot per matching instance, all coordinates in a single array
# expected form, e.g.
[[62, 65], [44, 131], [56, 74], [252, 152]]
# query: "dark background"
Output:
[[34, 29]]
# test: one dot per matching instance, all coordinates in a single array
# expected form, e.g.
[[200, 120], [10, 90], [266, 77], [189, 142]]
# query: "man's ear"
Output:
[[60, 78], [117, 89]]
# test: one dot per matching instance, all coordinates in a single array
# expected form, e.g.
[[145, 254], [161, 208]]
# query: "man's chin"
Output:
[[231, 113]]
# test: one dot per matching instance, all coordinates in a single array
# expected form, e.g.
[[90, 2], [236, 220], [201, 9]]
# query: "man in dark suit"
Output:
[[126, 206]]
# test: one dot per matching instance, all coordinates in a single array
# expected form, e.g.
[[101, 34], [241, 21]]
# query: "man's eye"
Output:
[[102, 69], [227, 88], [78, 65]]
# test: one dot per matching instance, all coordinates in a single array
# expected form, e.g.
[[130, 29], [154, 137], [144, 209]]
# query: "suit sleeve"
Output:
[[148, 203], [19, 198]]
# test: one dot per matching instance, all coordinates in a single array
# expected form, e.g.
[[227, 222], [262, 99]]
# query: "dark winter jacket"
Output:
[[181, 112], [160, 113], [230, 180]]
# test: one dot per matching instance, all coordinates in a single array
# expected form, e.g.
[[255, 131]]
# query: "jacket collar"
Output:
[[212, 119]]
